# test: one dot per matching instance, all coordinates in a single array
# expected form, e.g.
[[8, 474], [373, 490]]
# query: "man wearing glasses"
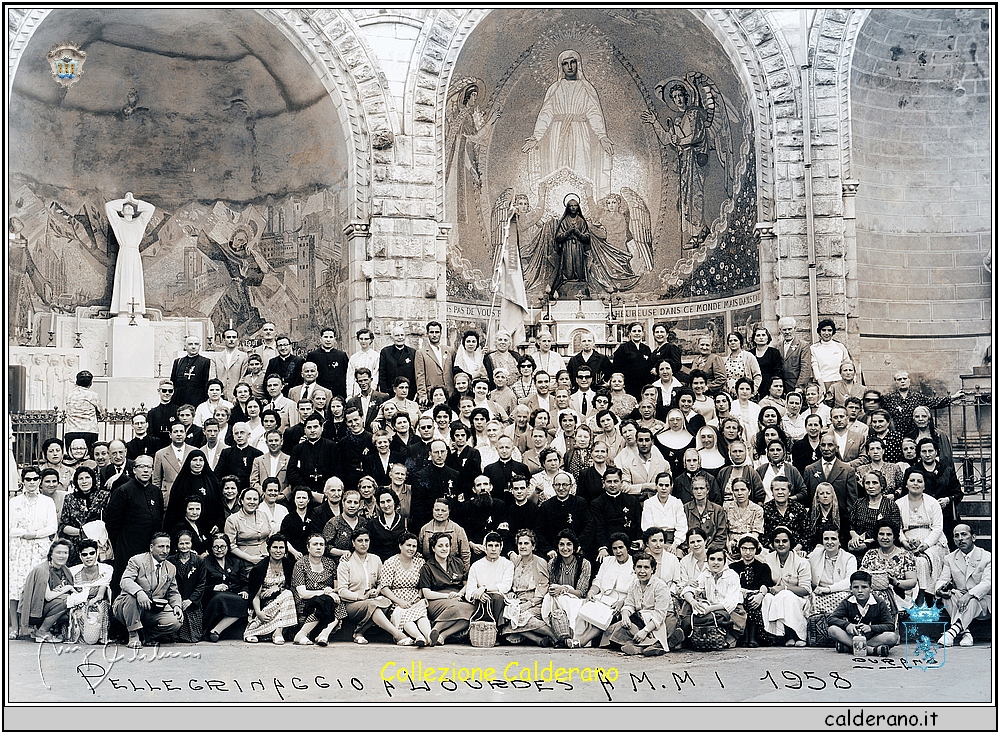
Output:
[[163, 416], [134, 513]]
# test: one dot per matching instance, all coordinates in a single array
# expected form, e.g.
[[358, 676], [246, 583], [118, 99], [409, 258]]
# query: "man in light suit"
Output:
[[168, 462], [433, 364], [831, 469], [309, 386], [149, 577], [797, 363], [966, 585], [542, 397], [229, 363], [272, 464], [639, 469], [369, 400]]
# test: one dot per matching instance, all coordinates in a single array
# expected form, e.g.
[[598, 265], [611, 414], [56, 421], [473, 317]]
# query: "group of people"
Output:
[[628, 501]]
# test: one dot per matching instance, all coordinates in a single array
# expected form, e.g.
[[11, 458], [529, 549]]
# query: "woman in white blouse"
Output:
[[665, 511], [491, 578], [610, 586], [783, 607]]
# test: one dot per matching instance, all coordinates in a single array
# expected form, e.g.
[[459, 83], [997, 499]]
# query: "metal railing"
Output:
[[32, 428], [967, 421]]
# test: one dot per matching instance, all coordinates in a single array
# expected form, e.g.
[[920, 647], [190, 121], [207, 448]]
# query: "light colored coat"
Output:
[[972, 573], [166, 468]]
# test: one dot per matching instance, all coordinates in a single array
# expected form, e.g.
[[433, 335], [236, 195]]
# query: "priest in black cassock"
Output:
[[313, 461], [433, 481], [354, 448], [521, 513], [134, 512], [331, 363], [190, 376], [563, 511], [396, 360], [238, 460], [482, 514], [503, 469], [613, 512]]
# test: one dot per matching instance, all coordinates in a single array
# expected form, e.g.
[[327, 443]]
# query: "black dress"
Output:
[[752, 577], [218, 604], [771, 365], [635, 362], [191, 585], [385, 540]]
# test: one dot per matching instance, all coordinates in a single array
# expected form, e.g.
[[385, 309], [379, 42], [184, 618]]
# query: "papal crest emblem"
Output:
[[66, 60]]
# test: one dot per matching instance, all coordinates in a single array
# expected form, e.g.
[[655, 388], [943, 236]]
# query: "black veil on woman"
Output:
[[200, 482]]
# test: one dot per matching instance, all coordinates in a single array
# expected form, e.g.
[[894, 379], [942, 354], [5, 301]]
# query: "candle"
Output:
[[78, 320]]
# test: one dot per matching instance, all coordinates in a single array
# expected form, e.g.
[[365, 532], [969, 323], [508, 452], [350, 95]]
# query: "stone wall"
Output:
[[921, 102]]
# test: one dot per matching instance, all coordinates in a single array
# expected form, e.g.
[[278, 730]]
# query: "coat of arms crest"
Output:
[[66, 60]]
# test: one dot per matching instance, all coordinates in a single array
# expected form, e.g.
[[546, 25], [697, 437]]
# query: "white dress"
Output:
[[28, 515]]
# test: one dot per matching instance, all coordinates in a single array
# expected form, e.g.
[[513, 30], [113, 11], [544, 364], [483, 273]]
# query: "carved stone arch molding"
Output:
[[832, 42], [343, 62]]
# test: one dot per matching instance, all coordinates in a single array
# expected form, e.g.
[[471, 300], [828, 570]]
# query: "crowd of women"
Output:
[[736, 541]]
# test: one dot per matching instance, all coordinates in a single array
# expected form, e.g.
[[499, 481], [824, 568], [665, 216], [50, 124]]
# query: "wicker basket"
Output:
[[483, 627]]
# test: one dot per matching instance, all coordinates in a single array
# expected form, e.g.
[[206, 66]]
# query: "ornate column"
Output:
[[850, 192], [359, 306], [770, 284]]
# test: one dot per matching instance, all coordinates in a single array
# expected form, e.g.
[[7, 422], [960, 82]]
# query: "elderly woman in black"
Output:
[[192, 524], [196, 478], [226, 595], [190, 583], [272, 604], [755, 580], [442, 582]]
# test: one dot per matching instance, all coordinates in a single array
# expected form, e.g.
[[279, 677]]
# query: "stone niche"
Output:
[[215, 118], [670, 223]]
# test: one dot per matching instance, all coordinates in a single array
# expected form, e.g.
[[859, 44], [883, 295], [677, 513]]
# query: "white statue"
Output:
[[128, 218]]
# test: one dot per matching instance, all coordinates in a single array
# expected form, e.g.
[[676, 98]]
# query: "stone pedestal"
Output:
[[127, 393], [131, 348], [570, 318]]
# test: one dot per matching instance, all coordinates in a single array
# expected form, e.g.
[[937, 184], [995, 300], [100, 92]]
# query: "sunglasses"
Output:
[[32, 479], [88, 554], [166, 391]]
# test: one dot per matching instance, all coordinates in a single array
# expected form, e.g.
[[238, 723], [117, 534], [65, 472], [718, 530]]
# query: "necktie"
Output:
[[305, 392], [584, 403]]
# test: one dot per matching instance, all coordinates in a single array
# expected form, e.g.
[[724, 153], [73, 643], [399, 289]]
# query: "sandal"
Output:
[[360, 639], [405, 642], [302, 641], [252, 639], [135, 644], [278, 639]]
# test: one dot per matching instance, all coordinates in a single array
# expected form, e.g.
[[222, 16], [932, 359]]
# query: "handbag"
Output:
[[707, 636], [483, 626], [559, 622], [596, 613]]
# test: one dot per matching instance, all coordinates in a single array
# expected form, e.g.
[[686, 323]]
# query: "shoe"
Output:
[[302, 640], [630, 649], [435, 637], [360, 639], [842, 648], [790, 643], [322, 641], [405, 642], [653, 651], [252, 639], [947, 639], [573, 644], [213, 636], [135, 644], [546, 642], [799, 643], [278, 639], [966, 640], [882, 651]]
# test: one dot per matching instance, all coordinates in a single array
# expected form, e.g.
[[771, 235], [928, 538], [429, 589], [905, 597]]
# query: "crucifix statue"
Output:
[[128, 218], [132, 304]]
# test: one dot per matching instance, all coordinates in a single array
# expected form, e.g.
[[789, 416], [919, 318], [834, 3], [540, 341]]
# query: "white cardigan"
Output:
[[933, 511], [844, 565]]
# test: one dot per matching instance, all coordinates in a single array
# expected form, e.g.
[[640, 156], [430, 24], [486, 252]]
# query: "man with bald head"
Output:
[[966, 586], [119, 468], [190, 374], [434, 480]]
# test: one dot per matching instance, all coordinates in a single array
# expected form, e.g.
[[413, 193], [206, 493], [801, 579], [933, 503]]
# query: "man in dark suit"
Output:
[[353, 448], [332, 363], [190, 374], [369, 401], [396, 360], [286, 364], [797, 362], [501, 471], [148, 579], [133, 514], [238, 460], [161, 417], [433, 364], [119, 469], [600, 365], [831, 469]]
